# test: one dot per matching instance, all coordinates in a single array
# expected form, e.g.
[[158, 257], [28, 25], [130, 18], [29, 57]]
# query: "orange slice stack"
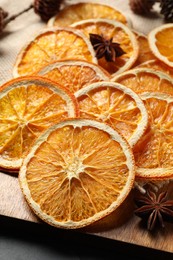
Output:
[[72, 171], [62, 42], [88, 126], [153, 152]]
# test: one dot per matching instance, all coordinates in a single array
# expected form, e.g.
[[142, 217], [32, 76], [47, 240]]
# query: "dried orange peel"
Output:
[[145, 80], [145, 52], [116, 105], [74, 74], [28, 106], [82, 11], [77, 172], [53, 44], [161, 43], [153, 153], [158, 66], [119, 33]]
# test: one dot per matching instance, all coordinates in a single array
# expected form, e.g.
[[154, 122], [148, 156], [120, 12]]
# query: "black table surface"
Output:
[[21, 240]]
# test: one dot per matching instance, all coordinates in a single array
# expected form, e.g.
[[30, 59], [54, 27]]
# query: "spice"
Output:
[[167, 10], [141, 6], [154, 208], [47, 8], [105, 47], [44, 8], [144, 7], [5, 19]]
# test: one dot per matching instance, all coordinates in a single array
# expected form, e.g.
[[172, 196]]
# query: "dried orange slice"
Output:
[[145, 53], [28, 106], [82, 11], [161, 43], [115, 105], [74, 74], [157, 65], [153, 153], [78, 172], [145, 80], [119, 33], [51, 45]]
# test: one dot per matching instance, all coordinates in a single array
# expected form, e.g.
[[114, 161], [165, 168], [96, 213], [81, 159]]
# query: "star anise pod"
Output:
[[105, 47], [154, 208]]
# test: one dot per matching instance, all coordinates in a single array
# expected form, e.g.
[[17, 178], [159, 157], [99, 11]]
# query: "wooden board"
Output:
[[13, 204]]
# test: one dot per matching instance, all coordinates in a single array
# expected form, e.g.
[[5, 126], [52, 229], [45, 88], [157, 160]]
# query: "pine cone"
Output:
[[167, 9], [141, 6], [3, 15], [47, 8]]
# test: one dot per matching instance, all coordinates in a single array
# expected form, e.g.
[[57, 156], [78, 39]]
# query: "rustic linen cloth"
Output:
[[18, 32]]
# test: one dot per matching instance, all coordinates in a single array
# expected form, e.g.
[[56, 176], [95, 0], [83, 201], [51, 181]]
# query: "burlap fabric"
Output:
[[18, 32]]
